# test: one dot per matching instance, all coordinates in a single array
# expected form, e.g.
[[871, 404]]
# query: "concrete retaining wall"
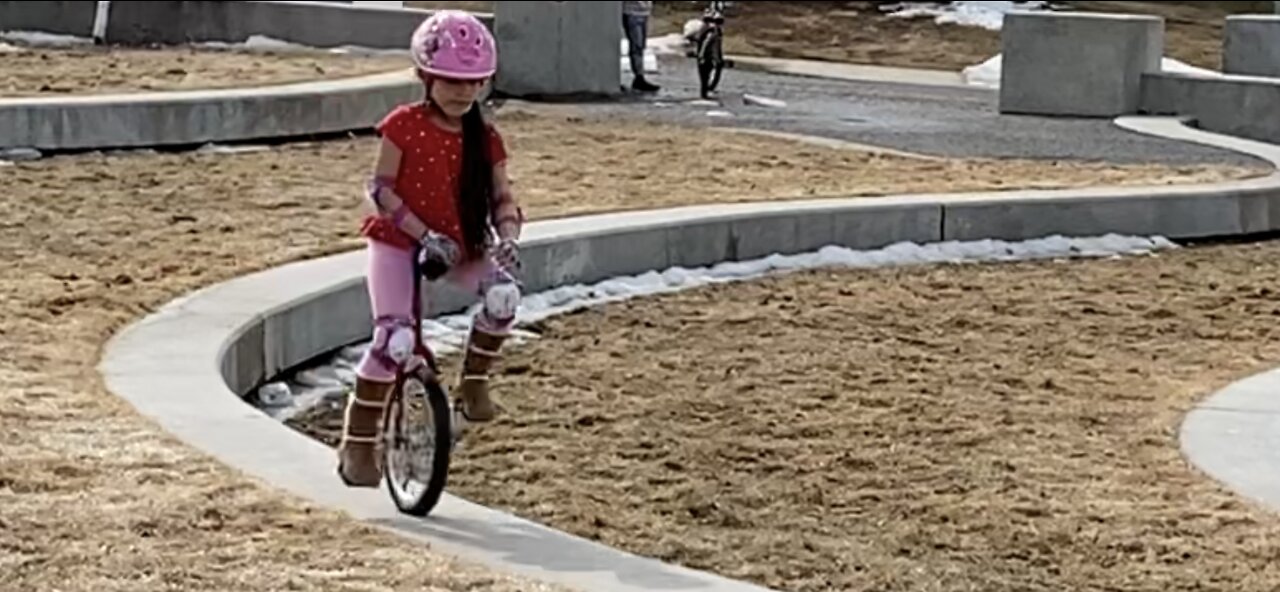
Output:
[[197, 117], [1109, 65], [1251, 45], [1077, 64], [1247, 107], [73, 17], [560, 253], [317, 24]]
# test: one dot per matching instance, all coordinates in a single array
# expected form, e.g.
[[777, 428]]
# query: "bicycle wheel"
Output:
[[717, 60], [709, 61], [419, 442]]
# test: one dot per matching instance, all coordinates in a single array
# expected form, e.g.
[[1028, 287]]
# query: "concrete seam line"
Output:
[[200, 330]]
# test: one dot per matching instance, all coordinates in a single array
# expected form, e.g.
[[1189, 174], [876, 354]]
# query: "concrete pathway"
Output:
[[851, 72], [1234, 437]]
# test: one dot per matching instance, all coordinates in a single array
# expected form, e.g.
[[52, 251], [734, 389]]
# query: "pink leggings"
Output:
[[390, 282]]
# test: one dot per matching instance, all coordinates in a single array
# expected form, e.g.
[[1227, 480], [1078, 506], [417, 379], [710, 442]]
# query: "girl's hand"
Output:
[[439, 248], [506, 253]]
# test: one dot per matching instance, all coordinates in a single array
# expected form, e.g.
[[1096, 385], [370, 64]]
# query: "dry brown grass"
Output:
[[93, 497], [99, 70], [858, 32]]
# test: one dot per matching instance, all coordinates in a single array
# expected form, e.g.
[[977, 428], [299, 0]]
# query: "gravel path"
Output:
[[941, 121]]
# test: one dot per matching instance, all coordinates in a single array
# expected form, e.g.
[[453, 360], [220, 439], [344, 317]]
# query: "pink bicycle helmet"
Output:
[[454, 44]]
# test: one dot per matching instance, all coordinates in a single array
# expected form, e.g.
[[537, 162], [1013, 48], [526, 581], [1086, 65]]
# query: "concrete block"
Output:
[[534, 264], [1259, 211], [1077, 64], [1244, 108], [315, 325], [1251, 45], [1175, 217], [868, 226], [757, 237], [59, 17], [554, 49], [624, 253], [813, 230], [880, 226], [700, 244], [317, 24], [1240, 106], [1165, 94], [594, 258], [242, 360]]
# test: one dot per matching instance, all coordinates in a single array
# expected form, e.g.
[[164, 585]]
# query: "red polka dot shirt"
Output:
[[427, 181]]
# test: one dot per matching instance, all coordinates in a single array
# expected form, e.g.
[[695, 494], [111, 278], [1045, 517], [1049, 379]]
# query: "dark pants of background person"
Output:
[[637, 29]]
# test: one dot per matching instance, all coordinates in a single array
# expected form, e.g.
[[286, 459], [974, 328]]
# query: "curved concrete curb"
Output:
[[1234, 437], [180, 118], [222, 341], [853, 72]]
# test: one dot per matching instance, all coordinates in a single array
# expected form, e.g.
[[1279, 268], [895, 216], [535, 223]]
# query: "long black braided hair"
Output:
[[475, 184]]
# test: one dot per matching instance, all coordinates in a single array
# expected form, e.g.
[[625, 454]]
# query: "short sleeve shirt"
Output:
[[430, 166]]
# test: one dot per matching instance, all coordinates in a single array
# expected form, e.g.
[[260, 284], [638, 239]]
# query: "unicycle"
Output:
[[420, 428], [710, 50]]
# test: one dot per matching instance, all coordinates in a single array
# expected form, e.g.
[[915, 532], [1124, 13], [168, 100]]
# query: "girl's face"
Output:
[[455, 97]]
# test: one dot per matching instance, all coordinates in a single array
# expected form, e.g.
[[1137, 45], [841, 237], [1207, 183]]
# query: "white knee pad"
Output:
[[501, 301], [400, 344], [392, 340]]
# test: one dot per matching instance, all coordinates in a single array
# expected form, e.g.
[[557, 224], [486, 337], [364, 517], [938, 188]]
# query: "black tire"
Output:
[[717, 59], [715, 78], [419, 392], [710, 61]]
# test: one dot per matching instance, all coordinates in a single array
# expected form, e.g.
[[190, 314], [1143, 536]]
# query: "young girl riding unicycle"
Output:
[[441, 191]]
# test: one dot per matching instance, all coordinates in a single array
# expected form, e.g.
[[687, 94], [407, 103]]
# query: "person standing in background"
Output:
[[635, 22]]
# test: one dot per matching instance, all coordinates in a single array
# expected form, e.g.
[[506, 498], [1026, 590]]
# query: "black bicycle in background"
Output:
[[709, 50]]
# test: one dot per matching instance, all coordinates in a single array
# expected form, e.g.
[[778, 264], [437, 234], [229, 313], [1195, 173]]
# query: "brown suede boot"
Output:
[[482, 349], [359, 464]]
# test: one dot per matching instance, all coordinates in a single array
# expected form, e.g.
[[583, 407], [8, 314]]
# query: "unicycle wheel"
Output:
[[419, 440]]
